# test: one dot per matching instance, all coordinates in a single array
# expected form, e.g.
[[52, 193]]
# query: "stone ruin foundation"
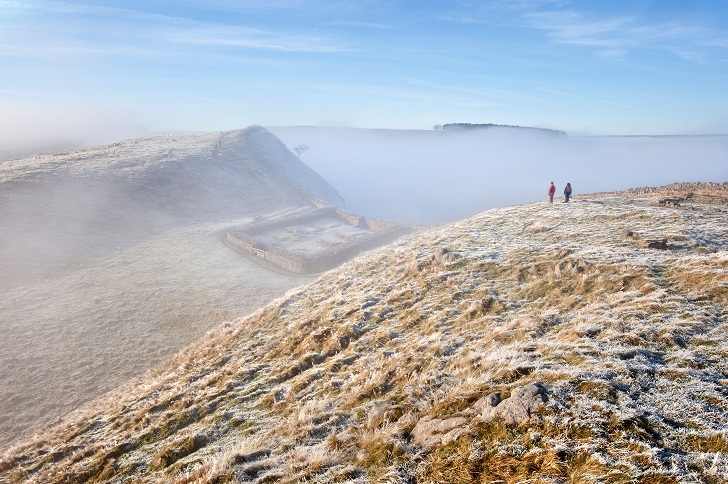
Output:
[[314, 242]]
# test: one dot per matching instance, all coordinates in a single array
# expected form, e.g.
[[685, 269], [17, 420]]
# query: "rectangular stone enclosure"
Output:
[[316, 241]]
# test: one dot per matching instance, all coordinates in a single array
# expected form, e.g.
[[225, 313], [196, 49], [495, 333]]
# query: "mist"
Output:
[[112, 259], [27, 130], [437, 177]]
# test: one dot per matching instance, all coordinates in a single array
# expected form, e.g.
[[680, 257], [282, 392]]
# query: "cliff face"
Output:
[[538, 342]]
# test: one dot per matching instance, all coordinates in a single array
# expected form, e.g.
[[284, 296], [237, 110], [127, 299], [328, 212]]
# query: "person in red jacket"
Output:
[[552, 190]]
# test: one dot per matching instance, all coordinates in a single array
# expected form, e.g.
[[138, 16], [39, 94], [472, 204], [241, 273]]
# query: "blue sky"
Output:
[[112, 69]]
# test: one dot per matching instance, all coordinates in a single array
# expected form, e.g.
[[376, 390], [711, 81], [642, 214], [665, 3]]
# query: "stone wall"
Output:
[[702, 192], [324, 260], [245, 240], [352, 218], [287, 222], [385, 226]]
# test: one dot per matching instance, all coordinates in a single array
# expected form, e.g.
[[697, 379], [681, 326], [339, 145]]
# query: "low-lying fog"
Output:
[[435, 176], [111, 257], [86, 330]]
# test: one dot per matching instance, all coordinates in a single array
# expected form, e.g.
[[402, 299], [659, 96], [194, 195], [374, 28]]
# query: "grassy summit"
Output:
[[386, 368]]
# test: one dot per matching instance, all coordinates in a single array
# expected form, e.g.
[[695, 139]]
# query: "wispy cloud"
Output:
[[249, 38], [575, 96], [84, 9], [618, 35], [90, 30], [572, 27], [480, 104], [613, 34], [362, 25]]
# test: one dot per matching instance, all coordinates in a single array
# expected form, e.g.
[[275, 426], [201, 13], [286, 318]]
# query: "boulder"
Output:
[[446, 256], [488, 402], [519, 408], [657, 244], [430, 432]]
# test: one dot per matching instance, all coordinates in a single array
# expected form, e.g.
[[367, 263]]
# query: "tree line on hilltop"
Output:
[[470, 126]]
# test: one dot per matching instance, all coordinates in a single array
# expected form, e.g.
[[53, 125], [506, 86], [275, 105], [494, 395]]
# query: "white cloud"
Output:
[[613, 35], [363, 25], [618, 35], [574, 28], [84, 9], [250, 38], [574, 96]]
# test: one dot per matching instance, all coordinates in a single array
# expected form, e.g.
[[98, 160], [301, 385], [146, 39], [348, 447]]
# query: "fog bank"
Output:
[[112, 259], [435, 177]]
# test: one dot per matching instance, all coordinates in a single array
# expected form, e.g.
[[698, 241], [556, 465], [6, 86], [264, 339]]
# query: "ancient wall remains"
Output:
[[381, 234]]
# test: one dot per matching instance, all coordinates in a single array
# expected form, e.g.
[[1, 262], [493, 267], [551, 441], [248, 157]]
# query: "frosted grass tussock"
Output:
[[329, 383]]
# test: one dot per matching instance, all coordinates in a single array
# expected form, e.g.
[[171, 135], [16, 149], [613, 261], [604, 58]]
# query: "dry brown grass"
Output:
[[495, 453], [703, 278], [329, 382]]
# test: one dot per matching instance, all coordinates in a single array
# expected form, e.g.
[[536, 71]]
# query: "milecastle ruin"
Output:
[[315, 241]]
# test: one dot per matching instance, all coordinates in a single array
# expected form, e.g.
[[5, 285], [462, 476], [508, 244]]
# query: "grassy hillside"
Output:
[[414, 363], [61, 208], [111, 261]]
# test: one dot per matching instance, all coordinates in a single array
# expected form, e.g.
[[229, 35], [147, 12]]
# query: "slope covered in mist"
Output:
[[539, 343], [111, 259], [91, 201]]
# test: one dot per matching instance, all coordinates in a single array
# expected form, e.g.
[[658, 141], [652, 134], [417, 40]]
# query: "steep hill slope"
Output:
[[539, 343], [63, 207], [111, 259]]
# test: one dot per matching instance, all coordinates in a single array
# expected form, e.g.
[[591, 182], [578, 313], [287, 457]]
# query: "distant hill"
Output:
[[477, 126], [533, 343]]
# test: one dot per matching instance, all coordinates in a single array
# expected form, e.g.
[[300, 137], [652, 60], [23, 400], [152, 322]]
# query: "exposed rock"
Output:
[[487, 403], [657, 244], [670, 201], [446, 256], [536, 228], [430, 432], [520, 407], [570, 266]]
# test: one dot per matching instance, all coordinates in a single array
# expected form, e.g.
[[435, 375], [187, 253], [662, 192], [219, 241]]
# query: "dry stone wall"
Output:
[[701, 192], [246, 240]]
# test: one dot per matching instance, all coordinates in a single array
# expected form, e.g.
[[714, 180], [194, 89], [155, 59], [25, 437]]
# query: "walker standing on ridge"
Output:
[[567, 193], [551, 192]]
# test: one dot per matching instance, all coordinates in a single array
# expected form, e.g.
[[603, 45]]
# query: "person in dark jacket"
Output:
[[551, 192], [567, 193]]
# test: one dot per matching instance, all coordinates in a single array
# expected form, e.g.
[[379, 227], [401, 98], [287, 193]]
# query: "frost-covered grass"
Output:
[[111, 261], [328, 383]]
